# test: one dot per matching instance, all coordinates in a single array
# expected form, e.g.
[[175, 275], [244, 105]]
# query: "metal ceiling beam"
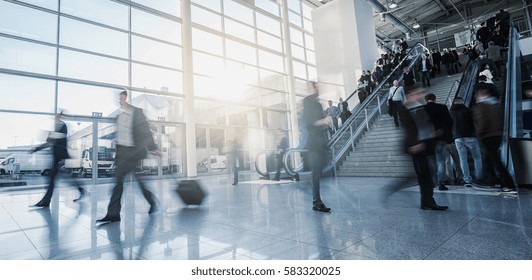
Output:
[[442, 7], [392, 18]]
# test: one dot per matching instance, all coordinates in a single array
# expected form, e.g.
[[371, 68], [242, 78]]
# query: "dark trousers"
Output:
[[315, 161], [492, 145], [278, 165], [51, 185], [395, 105], [124, 165], [424, 175], [233, 161]]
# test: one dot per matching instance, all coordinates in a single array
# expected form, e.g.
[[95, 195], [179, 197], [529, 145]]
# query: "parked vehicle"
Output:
[[80, 163], [28, 163]]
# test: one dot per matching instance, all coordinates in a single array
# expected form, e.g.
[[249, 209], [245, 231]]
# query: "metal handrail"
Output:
[[449, 104], [356, 130], [359, 109]]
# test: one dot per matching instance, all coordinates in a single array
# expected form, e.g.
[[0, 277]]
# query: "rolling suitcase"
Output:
[[190, 192]]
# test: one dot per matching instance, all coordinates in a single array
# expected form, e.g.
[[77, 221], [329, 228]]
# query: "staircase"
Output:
[[379, 152]]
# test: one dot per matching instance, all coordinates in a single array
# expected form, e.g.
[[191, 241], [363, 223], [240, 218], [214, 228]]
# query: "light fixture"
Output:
[[392, 5], [416, 25]]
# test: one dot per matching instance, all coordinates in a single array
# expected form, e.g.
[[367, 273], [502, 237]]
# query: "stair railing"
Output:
[[364, 114]]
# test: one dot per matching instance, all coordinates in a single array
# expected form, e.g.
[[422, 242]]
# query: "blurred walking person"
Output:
[[133, 141], [488, 117], [420, 129], [57, 141], [316, 143]]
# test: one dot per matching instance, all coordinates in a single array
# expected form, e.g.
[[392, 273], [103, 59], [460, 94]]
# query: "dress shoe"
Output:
[[434, 207], [42, 204], [321, 208], [235, 183], [109, 219], [442, 187]]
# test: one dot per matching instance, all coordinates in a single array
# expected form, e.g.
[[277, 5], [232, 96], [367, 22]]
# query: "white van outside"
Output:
[[36, 163]]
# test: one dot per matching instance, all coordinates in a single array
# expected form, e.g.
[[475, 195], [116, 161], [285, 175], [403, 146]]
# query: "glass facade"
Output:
[[76, 56]]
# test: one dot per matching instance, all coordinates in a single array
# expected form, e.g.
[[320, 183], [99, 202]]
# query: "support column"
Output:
[[346, 44], [292, 102], [188, 90]]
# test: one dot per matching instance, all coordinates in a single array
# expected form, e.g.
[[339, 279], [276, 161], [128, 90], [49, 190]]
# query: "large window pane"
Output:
[[295, 5], [243, 116], [211, 4], [294, 18], [172, 7], [49, 4], [300, 70], [24, 56], [156, 27], [156, 78], [78, 99], [269, 6], [206, 18], [238, 12], [207, 42], [274, 119], [274, 99], [240, 52], [24, 130], [268, 24], [269, 41], [91, 67], [239, 30], [154, 52], [106, 12], [217, 113], [298, 52], [296, 36], [159, 107], [38, 94], [27, 22], [272, 80], [309, 42], [271, 61], [94, 38], [207, 64]]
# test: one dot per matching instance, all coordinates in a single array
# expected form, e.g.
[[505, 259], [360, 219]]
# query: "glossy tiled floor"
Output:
[[266, 220]]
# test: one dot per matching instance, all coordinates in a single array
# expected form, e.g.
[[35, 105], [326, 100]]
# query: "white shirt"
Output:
[[124, 130], [399, 94]]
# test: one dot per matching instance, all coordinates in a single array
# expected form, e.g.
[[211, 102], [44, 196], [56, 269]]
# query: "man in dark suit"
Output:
[[408, 78], [133, 141], [443, 124], [57, 141], [316, 143], [417, 143], [344, 110], [282, 146]]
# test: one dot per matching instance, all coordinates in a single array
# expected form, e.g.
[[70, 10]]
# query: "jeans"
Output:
[[425, 78], [471, 144], [440, 148]]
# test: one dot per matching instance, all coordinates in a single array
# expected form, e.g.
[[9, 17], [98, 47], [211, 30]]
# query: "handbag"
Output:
[[390, 102]]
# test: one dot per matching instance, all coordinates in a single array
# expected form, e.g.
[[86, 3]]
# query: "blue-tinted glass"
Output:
[[48, 4], [156, 27], [172, 7], [211, 4], [153, 52], [39, 94], [95, 38], [106, 12], [92, 68], [24, 56], [14, 21], [155, 78], [80, 99]]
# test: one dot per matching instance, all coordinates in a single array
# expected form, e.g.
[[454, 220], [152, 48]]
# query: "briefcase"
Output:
[[190, 192]]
